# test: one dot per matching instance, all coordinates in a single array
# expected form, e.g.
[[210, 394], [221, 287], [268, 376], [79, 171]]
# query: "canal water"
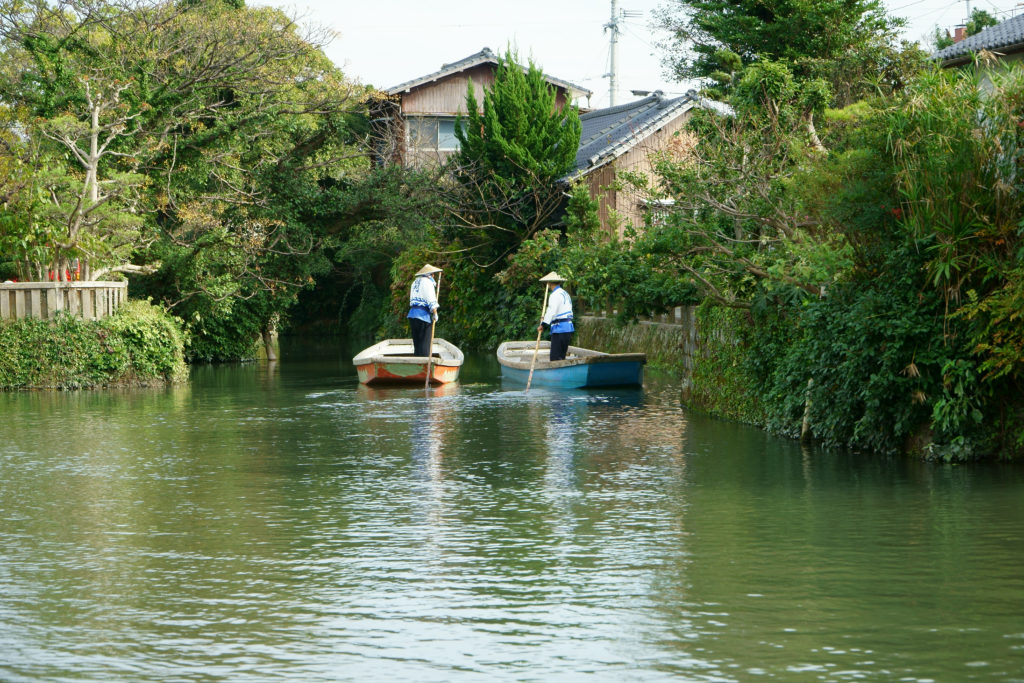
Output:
[[283, 523]]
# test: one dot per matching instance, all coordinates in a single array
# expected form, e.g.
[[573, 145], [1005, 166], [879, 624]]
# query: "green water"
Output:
[[286, 524]]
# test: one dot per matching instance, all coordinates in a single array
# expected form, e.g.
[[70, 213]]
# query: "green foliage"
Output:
[[153, 339], [231, 336], [510, 157], [140, 344], [522, 133], [639, 277], [879, 257], [720, 383], [742, 218], [941, 38], [370, 220], [979, 21], [874, 350], [958, 157], [219, 129], [844, 42], [582, 220]]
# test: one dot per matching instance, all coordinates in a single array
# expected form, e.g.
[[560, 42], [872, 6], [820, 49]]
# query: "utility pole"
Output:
[[613, 76], [613, 58]]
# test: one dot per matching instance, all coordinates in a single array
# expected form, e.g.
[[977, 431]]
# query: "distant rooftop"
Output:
[[485, 56], [1005, 37], [610, 133]]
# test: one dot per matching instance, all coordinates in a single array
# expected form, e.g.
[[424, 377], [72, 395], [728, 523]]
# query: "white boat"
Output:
[[392, 361]]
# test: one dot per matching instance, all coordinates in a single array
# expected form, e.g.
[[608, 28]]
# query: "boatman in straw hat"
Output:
[[423, 308], [558, 316]]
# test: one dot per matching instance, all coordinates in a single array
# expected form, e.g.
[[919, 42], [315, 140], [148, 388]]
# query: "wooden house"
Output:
[[628, 137], [414, 122]]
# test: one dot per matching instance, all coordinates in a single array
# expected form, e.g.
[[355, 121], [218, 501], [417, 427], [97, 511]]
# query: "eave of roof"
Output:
[[1006, 37], [485, 56]]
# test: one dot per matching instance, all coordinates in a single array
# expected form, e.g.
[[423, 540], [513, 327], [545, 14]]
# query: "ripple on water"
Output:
[[312, 530]]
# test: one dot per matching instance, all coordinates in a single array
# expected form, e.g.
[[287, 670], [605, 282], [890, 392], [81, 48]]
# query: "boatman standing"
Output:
[[558, 316], [422, 308]]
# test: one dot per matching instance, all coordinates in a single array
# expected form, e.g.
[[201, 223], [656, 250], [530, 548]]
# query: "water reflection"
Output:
[[291, 524], [561, 435]]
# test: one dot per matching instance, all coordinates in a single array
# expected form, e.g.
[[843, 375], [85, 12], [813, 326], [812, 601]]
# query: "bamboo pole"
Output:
[[536, 348], [433, 323]]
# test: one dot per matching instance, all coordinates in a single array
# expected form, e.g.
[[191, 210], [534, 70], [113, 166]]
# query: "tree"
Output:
[[978, 22], [741, 223], [181, 123], [842, 41], [510, 159]]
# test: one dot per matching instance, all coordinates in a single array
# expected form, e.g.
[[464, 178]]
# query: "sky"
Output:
[[387, 42]]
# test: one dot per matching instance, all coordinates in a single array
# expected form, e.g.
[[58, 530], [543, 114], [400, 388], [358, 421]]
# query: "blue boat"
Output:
[[582, 368]]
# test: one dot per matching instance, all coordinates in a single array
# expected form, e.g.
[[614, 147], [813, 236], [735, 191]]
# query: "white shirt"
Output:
[[559, 313]]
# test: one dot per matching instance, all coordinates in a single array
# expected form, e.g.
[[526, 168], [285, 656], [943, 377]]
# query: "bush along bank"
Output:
[[139, 345]]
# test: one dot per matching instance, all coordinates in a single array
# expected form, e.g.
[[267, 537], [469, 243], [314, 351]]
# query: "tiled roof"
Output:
[[610, 133], [998, 38], [485, 56]]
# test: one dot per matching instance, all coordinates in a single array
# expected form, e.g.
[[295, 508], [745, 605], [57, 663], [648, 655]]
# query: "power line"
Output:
[[903, 7]]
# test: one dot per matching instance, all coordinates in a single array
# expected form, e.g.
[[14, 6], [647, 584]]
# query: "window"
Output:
[[432, 132], [659, 209], [446, 134]]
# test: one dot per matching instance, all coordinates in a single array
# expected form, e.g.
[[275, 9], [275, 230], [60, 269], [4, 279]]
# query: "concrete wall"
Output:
[[701, 350], [671, 344]]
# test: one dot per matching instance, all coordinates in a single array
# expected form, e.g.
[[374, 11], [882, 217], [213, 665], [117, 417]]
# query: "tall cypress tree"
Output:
[[512, 156]]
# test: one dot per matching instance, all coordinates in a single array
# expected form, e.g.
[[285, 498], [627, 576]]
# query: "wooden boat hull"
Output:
[[582, 368], [391, 362]]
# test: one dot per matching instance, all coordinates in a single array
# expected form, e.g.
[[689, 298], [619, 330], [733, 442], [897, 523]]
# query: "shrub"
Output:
[[140, 344]]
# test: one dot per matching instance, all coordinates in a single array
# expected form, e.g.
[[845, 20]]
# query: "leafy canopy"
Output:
[[844, 41]]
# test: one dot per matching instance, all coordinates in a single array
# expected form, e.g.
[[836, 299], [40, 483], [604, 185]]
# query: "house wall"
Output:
[[1005, 62], [600, 181], [447, 96], [619, 207]]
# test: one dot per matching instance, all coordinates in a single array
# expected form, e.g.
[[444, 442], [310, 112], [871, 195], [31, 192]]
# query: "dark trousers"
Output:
[[559, 345], [420, 331]]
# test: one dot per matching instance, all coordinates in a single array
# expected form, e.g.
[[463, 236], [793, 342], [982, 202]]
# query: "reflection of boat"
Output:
[[389, 392], [391, 361], [581, 367]]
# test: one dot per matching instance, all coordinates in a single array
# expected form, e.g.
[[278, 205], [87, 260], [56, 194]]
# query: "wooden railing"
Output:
[[89, 300]]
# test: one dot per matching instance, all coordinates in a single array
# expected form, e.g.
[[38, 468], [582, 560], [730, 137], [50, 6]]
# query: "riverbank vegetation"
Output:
[[875, 254], [139, 345], [853, 227]]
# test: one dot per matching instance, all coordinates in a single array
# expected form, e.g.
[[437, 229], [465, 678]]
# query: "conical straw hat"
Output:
[[428, 269], [552, 277]]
